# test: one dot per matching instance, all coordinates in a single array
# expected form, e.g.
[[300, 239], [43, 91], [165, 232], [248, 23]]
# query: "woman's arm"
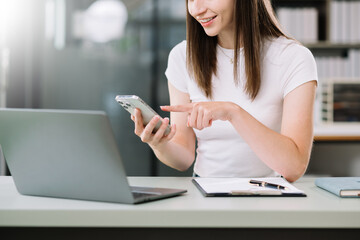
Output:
[[287, 152], [176, 150]]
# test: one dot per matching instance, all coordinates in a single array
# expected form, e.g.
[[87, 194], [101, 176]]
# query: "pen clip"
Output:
[[256, 183]]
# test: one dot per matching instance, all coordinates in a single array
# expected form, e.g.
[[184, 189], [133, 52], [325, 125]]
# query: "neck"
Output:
[[226, 40]]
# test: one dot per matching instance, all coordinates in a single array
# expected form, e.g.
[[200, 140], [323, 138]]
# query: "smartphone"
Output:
[[131, 102]]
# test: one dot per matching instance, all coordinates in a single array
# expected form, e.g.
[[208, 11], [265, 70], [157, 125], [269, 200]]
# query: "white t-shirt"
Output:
[[221, 152]]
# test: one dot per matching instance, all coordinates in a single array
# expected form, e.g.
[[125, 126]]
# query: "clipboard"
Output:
[[240, 187]]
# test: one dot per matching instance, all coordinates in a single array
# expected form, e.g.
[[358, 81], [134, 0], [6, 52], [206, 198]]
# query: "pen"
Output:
[[266, 184]]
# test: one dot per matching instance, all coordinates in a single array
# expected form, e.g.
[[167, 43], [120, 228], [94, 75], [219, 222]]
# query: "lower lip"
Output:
[[208, 23]]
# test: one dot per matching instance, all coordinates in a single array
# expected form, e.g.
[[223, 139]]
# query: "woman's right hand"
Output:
[[146, 134]]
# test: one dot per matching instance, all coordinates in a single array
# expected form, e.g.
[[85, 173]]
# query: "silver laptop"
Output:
[[68, 154]]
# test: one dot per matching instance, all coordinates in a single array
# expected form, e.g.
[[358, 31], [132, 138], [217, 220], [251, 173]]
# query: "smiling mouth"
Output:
[[206, 20]]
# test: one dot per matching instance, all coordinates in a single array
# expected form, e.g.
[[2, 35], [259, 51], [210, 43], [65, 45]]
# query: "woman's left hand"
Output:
[[202, 114]]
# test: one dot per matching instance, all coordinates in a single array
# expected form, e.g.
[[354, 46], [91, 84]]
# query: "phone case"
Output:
[[131, 102]]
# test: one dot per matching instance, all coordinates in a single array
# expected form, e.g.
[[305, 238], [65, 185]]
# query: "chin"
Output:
[[211, 33]]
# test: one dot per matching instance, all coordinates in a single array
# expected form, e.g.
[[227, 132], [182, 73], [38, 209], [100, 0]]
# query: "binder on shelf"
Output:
[[301, 23]]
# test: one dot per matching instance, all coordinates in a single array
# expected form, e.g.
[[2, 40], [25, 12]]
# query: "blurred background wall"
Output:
[[79, 54]]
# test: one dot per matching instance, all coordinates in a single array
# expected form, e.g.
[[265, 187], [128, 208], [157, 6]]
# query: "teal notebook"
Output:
[[340, 186]]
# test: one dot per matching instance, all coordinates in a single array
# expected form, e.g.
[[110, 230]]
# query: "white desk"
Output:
[[319, 210]]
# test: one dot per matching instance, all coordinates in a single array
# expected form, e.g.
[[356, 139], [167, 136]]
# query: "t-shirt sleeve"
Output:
[[176, 71], [300, 68]]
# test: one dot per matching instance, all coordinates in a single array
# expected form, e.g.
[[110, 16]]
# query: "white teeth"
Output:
[[206, 20]]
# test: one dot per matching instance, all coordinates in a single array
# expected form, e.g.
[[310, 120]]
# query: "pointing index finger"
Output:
[[178, 108]]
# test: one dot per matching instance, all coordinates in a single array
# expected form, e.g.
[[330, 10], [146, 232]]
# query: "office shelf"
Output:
[[336, 45], [330, 15]]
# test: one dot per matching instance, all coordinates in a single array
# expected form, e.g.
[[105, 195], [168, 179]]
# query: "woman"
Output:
[[239, 88]]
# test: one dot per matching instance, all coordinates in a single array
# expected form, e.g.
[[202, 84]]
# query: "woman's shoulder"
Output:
[[283, 50], [179, 51]]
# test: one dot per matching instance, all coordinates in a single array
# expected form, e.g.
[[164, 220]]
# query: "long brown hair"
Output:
[[254, 21]]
